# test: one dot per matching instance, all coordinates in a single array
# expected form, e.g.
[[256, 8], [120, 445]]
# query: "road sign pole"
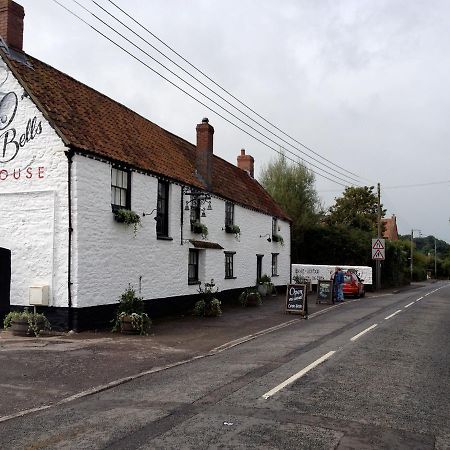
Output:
[[378, 262]]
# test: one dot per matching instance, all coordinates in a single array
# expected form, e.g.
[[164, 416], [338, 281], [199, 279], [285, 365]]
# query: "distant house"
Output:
[[390, 228], [72, 158]]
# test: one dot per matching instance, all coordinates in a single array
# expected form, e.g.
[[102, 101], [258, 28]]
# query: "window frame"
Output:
[[194, 263], [229, 265], [275, 265], [274, 226], [126, 189], [162, 208], [229, 214]]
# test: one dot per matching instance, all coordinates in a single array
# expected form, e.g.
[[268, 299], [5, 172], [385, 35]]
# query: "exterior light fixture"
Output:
[[150, 213], [269, 239]]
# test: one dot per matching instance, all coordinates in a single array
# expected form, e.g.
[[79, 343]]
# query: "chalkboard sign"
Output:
[[296, 301], [325, 291]]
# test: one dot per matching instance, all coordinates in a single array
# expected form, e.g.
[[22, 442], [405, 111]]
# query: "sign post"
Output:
[[378, 255], [296, 299]]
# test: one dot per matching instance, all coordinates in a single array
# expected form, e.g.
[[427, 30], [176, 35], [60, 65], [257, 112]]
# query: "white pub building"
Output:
[[72, 159]]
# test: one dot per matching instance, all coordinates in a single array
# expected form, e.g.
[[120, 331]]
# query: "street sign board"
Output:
[[378, 249], [296, 299], [325, 291]]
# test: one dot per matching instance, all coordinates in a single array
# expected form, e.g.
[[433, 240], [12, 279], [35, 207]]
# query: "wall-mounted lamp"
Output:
[[150, 213], [269, 239]]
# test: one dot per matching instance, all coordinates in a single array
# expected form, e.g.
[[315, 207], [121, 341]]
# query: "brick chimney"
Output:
[[11, 23], [204, 155], [246, 162]]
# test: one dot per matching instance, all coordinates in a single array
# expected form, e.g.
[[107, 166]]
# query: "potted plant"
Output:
[[25, 323], [127, 217], [250, 297], [264, 285], [209, 304], [278, 238], [200, 228], [130, 316], [233, 229]]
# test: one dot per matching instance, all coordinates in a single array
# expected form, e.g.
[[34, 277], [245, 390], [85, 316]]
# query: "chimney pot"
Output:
[[204, 151], [11, 23], [246, 162]]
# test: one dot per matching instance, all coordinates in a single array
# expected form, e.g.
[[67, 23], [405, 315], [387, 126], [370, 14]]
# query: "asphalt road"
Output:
[[370, 375]]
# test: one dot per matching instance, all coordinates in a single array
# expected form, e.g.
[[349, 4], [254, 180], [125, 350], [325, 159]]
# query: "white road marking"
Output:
[[420, 298], [298, 375], [409, 304], [392, 315], [363, 332]]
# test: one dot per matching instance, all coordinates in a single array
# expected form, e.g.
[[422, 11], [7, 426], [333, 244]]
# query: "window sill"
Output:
[[164, 238], [192, 283], [230, 278], [275, 275]]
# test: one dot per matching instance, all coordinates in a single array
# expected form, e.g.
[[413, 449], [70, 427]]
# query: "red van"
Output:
[[353, 285]]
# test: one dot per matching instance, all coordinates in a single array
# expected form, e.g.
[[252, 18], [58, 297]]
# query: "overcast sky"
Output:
[[365, 84]]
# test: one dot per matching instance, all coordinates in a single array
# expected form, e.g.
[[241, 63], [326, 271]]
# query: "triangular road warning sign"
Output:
[[378, 245], [378, 255]]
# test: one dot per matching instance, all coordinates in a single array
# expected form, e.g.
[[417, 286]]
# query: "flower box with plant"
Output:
[[278, 238], [209, 304], [264, 285], [250, 297], [26, 323], [233, 229], [127, 217], [130, 315], [199, 228]]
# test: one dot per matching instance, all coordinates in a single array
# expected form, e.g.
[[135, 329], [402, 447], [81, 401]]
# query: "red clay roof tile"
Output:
[[95, 124]]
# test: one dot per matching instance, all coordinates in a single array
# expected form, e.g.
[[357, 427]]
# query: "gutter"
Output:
[[69, 155]]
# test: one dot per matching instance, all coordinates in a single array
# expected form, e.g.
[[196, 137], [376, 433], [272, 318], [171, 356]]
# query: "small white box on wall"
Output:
[[38, 295]]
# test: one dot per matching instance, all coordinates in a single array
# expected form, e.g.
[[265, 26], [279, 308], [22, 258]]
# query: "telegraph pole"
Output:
[[378, 262]]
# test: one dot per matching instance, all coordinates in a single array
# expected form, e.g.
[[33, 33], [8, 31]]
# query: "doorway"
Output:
[[5, 282]]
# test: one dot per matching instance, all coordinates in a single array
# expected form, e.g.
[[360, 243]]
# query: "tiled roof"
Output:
[[390, 228], [94, 124]]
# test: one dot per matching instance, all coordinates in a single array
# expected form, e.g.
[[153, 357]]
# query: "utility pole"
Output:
[[378, 262], [435, 261], [412, 253]]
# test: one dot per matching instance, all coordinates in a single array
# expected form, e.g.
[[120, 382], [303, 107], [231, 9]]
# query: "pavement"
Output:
[[59, 367]]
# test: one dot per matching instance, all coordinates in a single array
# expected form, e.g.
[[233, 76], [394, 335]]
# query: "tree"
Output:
[[292, 187], [357, 208]]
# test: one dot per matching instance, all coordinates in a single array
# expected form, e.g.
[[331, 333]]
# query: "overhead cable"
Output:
[[199, 101]]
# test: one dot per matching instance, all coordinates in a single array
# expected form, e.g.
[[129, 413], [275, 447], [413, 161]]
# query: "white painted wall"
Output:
[[107, 256], [33, 195]]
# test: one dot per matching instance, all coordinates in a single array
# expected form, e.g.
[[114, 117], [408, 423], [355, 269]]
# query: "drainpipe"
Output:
[[69, 155]]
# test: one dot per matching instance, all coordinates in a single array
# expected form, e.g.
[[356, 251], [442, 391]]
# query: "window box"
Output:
[[233, 229], [278, 238], [199, 228], [127, 217]]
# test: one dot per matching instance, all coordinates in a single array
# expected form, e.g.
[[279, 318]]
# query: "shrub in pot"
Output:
[[209, 304], [250, 297], [26, 323], [130, 316]]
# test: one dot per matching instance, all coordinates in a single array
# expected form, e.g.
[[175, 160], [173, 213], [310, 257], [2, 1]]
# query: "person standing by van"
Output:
[[339, 284]]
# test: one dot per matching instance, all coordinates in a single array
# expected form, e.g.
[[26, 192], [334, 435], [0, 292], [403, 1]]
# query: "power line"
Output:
[[215, 83], [432, 183], [209, 98], [187, 93], [346, 172]]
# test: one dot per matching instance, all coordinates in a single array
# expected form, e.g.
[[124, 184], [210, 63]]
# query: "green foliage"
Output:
[[335, 245], [292, 187], [357, 208], [395, 269], [233, 229], [36, 321], [209, 304], [278, 238], [132, 307], [128, 217], [200, 228], [250, 297]]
